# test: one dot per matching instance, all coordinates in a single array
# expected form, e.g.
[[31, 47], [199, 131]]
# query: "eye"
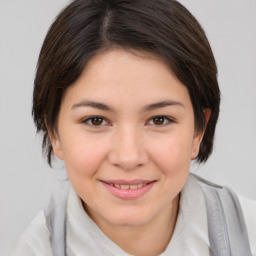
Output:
[[160, 120], [96, 121]]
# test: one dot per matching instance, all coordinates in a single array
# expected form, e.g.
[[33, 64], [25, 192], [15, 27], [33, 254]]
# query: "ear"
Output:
[[198, 135], [56, 145]]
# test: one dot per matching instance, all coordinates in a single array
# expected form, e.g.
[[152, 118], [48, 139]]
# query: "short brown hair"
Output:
[[163, 27]]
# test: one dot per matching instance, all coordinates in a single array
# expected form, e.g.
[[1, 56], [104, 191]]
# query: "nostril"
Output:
[[127, 153]]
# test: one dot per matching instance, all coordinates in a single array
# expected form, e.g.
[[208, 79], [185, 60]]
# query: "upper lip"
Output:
[[128, 182]]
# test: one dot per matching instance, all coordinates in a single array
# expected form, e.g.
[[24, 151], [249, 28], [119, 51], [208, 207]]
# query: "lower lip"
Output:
[[128, 193]]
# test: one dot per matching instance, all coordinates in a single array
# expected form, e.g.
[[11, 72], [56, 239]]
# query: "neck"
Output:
[[150, 239]]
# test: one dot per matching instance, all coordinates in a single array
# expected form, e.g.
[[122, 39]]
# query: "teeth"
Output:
[[128, 186], [124, 186]]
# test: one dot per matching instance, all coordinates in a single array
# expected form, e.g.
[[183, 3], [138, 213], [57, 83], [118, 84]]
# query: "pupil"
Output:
[[158, 120], [97, 121]]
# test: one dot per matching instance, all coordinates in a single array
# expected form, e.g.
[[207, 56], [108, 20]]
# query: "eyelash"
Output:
[[167, 120], [90, 119]]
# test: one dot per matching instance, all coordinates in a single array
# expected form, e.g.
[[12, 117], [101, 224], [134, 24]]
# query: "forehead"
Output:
[[120, 76]]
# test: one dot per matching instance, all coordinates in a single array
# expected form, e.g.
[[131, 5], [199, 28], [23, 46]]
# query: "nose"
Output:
[[128, 150]]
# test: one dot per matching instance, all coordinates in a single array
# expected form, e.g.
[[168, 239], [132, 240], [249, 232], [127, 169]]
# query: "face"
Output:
[[126, 134]]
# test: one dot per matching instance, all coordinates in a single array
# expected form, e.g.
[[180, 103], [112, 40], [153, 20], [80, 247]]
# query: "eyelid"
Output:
[[87, 119], [107, 123], [169, 119]]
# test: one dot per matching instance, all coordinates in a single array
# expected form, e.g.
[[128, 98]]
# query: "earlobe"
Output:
[[54, 139], [198, 136], [56, 146], [196, 145]]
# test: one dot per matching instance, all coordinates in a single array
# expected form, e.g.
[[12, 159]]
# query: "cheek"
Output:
[[172, 154], [172, 159], [83, 156]]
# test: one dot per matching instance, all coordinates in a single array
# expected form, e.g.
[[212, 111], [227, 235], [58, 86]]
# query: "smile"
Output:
[[128, 190], [121, 186]]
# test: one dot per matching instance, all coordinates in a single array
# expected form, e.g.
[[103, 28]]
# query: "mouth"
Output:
[[126, 185], [128, 189]]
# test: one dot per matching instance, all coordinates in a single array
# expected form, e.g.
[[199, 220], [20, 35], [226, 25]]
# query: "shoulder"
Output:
[[35, 240], [249, 210]]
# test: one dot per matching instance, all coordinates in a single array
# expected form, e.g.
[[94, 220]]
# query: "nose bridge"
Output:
[[128, 150]]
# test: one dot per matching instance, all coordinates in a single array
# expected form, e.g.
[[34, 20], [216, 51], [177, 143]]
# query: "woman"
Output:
[[126, 93]]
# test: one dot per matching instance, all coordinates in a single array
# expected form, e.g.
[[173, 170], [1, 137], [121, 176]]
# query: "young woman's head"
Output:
[[123, 93], [163, 31]]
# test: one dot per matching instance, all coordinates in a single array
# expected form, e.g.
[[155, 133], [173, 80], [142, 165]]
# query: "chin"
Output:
[[129, 218]]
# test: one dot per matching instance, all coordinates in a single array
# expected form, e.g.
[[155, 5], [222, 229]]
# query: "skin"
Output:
[[128, 143]]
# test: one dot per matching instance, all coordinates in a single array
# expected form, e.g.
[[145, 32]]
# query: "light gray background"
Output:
[[25, 178]]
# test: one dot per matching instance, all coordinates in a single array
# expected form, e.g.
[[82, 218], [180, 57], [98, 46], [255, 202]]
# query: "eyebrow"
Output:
[[162, 104], [93, 104], [150, 107]]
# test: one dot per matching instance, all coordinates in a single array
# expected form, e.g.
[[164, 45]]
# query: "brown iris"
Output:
[[96, 121], [159, 120]]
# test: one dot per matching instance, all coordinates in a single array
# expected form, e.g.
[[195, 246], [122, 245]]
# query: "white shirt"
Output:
[[190, 237]]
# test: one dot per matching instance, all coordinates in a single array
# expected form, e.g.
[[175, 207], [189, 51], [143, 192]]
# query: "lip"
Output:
[[128, 193], [126, 182]]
